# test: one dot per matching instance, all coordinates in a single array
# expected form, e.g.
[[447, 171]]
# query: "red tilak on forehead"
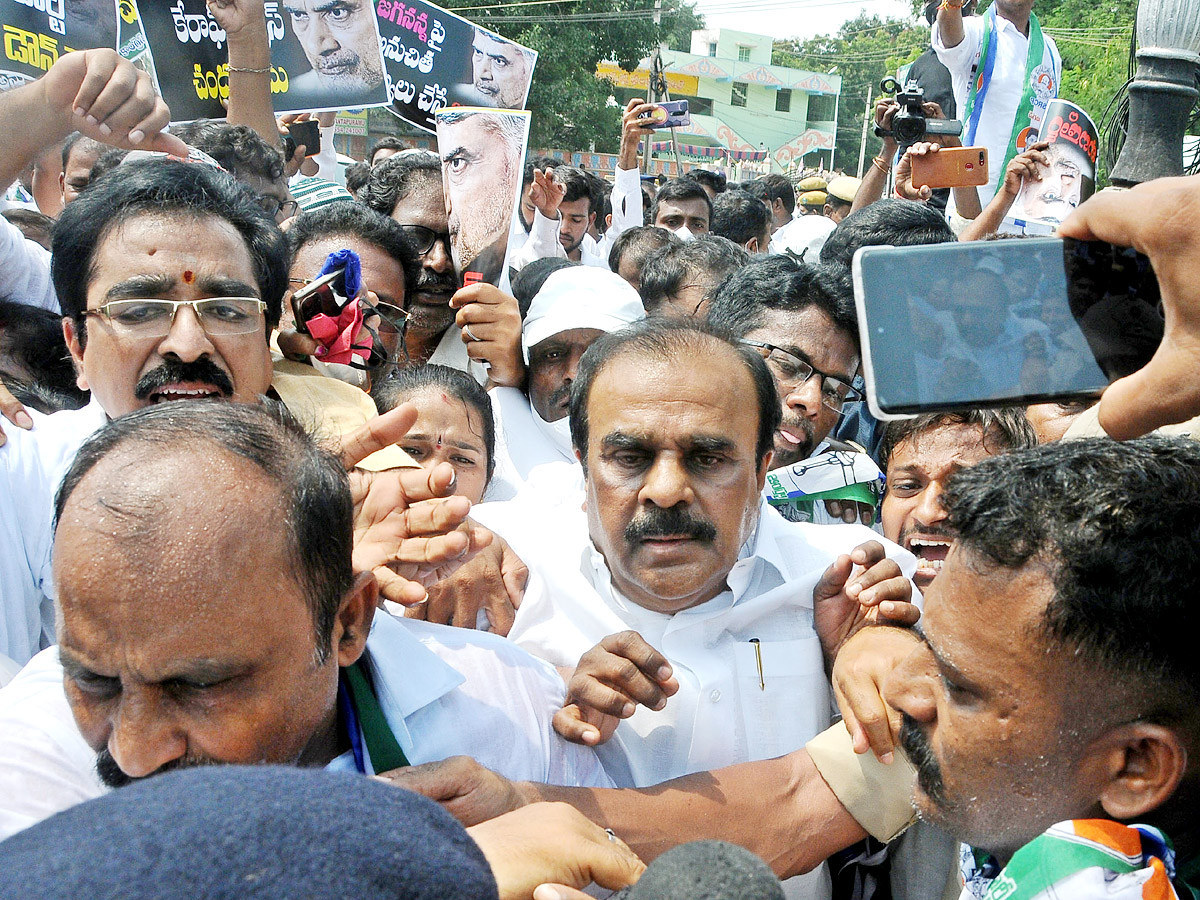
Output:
[[188, 276]]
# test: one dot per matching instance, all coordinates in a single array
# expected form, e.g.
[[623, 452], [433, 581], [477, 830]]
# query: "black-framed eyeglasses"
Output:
[[280, 210], [153, 318], [424, 238], [791, 371]]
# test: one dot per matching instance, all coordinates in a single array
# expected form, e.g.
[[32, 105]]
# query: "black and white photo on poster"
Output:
[[482, 152], [436, 59], [324, 55]]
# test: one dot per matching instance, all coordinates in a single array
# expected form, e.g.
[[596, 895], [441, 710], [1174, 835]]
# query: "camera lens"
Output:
[[908, 128]]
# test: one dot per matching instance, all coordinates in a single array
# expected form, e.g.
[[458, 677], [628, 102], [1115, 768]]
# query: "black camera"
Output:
[[909, 124]]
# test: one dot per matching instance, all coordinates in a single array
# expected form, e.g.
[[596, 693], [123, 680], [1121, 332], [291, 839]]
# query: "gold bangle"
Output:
[[946, 4], [246, 71], [881, 165]]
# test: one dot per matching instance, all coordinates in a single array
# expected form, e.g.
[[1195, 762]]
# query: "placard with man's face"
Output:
[[482, 152]]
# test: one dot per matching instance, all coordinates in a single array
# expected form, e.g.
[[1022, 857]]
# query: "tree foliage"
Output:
[[864, 51], [570, 104]]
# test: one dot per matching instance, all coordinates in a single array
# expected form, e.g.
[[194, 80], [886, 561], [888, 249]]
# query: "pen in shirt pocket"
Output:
[[762, 682]]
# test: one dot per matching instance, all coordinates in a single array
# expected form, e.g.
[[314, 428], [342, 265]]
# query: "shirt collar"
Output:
[[407, 675]]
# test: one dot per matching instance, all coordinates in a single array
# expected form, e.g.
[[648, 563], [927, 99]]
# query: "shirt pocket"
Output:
[[784, 694]]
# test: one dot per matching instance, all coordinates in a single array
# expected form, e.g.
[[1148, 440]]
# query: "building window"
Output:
[[743, 54], [821, 107], [712, 48], [738, 95], [783, 100]]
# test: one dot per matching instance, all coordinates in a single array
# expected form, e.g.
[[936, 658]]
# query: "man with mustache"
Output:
[[408, 187], [792, 316], [1054, 677], [797, 318], [673, 426], [340, 39], [170, 277]]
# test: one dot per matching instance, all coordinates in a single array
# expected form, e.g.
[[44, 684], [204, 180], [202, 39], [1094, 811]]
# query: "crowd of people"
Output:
[[516, 547]]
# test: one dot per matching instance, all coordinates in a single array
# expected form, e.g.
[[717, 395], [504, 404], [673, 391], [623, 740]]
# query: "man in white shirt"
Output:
[[674, 426], [569, 224], [1004, 70], [194, 631], [574, 307], [676, 543], [170, 278]]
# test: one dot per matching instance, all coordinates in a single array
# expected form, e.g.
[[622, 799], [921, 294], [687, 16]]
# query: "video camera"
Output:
[[910, 124]]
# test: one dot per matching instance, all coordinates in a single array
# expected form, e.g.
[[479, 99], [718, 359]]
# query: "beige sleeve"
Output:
[[878, 796]]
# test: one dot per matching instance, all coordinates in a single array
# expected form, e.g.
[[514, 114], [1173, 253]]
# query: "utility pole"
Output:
[[862, 149]]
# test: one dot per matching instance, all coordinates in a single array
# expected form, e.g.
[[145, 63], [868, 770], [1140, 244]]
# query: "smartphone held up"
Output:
[[998, 323]]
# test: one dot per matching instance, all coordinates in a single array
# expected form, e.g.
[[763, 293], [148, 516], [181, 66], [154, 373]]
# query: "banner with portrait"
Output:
[[436, 59], [483, 157], [323, 56], [38, 32], [1068, 178]]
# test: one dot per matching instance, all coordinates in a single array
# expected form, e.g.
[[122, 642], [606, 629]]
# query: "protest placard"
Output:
[[436, 59], [38, 32], [483, 155], [1068, 179], [318, 62]]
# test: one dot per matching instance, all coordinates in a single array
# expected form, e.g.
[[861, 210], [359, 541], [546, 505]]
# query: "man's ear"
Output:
[[763, 468], [354, 618], [1142, 765], [752, 246], [71, 336]]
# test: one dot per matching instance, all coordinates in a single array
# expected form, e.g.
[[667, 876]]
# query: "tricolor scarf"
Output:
[[1039, 86], [1078, 860]]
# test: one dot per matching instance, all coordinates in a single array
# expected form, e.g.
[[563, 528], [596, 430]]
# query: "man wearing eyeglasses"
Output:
[[388, 262], [481, 322], [809, 339]]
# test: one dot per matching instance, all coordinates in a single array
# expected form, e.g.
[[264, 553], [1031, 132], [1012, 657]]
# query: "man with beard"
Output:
[[340, 39], [481, 163], [408, 187], [1054, 679]]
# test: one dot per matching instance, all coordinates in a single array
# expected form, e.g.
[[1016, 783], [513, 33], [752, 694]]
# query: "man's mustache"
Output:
[[920, 754], [672, 522], [114, 776], [433, 280], [202, 370]]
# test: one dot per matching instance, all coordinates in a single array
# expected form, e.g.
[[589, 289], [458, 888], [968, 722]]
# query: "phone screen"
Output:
[[989, 323]]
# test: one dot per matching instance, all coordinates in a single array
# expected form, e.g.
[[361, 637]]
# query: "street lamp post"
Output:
[[1163, 91]]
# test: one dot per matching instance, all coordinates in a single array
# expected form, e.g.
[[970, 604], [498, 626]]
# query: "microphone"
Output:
[[705, 870]]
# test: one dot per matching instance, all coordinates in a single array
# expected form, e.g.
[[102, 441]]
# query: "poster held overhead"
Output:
[[323, 56], [482, 152], [35, 38], [436, 59]]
